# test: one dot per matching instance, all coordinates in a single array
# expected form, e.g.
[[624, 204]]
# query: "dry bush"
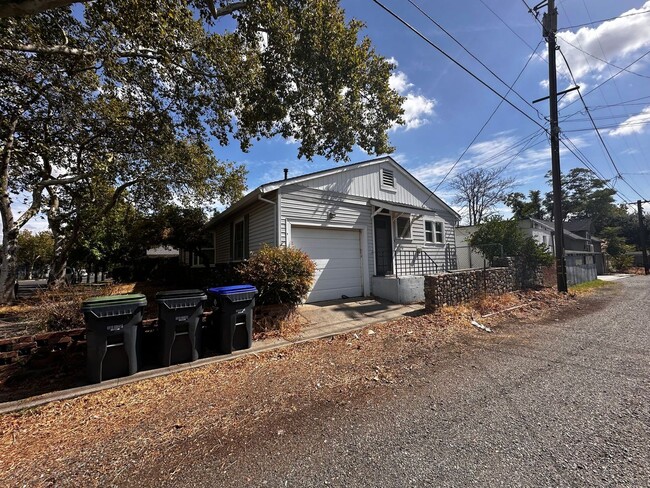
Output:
[[60, 309]]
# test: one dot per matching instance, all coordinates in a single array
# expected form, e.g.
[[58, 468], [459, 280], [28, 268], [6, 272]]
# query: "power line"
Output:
[[510, 87], [602, 141], [613, 126], [610, 78], [513, 31], [587, 164], [604, 20], [486, 122], [603, 60], [441, 51]]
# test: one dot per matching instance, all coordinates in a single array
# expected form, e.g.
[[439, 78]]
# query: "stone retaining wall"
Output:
[[508, 274], [461, 286]]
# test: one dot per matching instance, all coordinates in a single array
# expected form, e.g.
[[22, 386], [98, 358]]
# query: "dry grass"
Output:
[[60, 309], [158, 421]]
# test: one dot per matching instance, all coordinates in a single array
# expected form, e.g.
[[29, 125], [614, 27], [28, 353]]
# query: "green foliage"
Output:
[[622, 262], [523, 209], [127, 97], [281, 275], [35, 251], [584, 196], [499, 237]]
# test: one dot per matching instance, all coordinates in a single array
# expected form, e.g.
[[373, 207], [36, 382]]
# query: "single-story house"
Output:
[[372, 229]]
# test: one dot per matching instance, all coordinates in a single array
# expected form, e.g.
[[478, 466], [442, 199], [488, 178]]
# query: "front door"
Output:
[[383, 245]]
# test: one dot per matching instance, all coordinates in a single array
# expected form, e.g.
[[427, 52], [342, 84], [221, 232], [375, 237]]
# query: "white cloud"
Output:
[[635, 124], [544, 84], [417, 108], [618, 41], [432, 173], [398, 81]]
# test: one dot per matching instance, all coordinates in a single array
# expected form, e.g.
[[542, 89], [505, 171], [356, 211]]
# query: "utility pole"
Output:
[[642, 236], [549, 23]]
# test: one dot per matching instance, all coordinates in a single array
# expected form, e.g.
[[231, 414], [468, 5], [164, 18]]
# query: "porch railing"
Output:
[[415, 263]]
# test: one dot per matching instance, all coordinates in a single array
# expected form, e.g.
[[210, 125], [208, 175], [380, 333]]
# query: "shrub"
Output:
[[280, 274]]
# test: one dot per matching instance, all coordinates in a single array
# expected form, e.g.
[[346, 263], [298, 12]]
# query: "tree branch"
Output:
[[73, 51], [19, 8]]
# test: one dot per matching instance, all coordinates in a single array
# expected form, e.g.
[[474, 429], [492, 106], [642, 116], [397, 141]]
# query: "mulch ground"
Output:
[[98, 438]]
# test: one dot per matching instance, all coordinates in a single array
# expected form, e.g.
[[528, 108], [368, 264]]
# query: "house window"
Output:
[[403, 227], [434, 232], [238, 241], [387, 179]]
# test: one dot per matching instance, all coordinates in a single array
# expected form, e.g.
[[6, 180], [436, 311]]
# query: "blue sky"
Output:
[[446, 107]]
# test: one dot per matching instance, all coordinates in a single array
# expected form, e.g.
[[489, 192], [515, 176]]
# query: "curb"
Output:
[[36, 401]]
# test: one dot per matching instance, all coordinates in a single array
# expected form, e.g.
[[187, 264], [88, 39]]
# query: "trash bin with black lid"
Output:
[[234, 316], [179, 324], [113, 334]]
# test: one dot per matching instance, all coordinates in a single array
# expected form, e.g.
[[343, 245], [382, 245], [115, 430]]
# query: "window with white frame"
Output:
[[434, 232], [403, 225]]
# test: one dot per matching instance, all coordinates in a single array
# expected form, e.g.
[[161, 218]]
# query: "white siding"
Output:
[[261, 228], [364, 182], [300, 204], [442, 254]]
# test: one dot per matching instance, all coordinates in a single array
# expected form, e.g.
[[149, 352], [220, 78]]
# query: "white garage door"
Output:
[[337, 254]]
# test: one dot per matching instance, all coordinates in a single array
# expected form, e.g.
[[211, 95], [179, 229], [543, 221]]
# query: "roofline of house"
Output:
[[275, 185]]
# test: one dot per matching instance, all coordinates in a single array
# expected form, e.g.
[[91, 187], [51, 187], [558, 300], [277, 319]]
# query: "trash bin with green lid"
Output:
[[234, 316], [179, 324], [113, 332]]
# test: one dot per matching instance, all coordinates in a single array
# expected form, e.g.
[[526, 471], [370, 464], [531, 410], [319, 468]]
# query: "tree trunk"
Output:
[[56, 278], [8, 270], [10, 230]]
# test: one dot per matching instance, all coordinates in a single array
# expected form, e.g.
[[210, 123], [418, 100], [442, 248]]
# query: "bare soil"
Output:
[[100, 438]]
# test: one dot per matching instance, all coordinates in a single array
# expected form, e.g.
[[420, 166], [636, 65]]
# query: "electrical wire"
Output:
[[610, 78], [510, 87], [513, 31], [603, 60], [602, 141], [602, 20], [485, 124], [450, 58]]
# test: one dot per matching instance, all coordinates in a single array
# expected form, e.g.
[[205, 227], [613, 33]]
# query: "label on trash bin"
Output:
[[182, 318], [114, 328]]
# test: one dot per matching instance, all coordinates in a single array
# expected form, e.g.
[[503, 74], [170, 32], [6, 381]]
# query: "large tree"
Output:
[[480, 190], [523, 208], [131, 95], [585, 196], [35, 251]]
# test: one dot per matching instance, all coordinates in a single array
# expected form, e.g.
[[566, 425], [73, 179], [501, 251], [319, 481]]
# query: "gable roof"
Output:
[[274, 185], [579, 225]]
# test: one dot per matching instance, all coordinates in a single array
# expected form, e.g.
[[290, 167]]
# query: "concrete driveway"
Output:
[[353, 313]]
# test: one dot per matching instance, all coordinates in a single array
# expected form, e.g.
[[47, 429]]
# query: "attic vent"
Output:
[[387, 178]]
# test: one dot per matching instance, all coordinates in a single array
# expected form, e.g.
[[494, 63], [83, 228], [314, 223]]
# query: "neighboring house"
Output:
[[468, 257], [584, 258], [370, 227], [162, 252]]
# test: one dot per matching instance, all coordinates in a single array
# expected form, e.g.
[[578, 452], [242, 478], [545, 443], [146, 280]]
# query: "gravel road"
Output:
[[561, 403]]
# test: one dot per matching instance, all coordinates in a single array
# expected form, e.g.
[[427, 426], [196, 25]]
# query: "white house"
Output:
[[371, 227]]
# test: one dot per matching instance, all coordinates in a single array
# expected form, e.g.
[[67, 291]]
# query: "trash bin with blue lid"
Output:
[[113, 335], [179, 325], [233, 318]]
